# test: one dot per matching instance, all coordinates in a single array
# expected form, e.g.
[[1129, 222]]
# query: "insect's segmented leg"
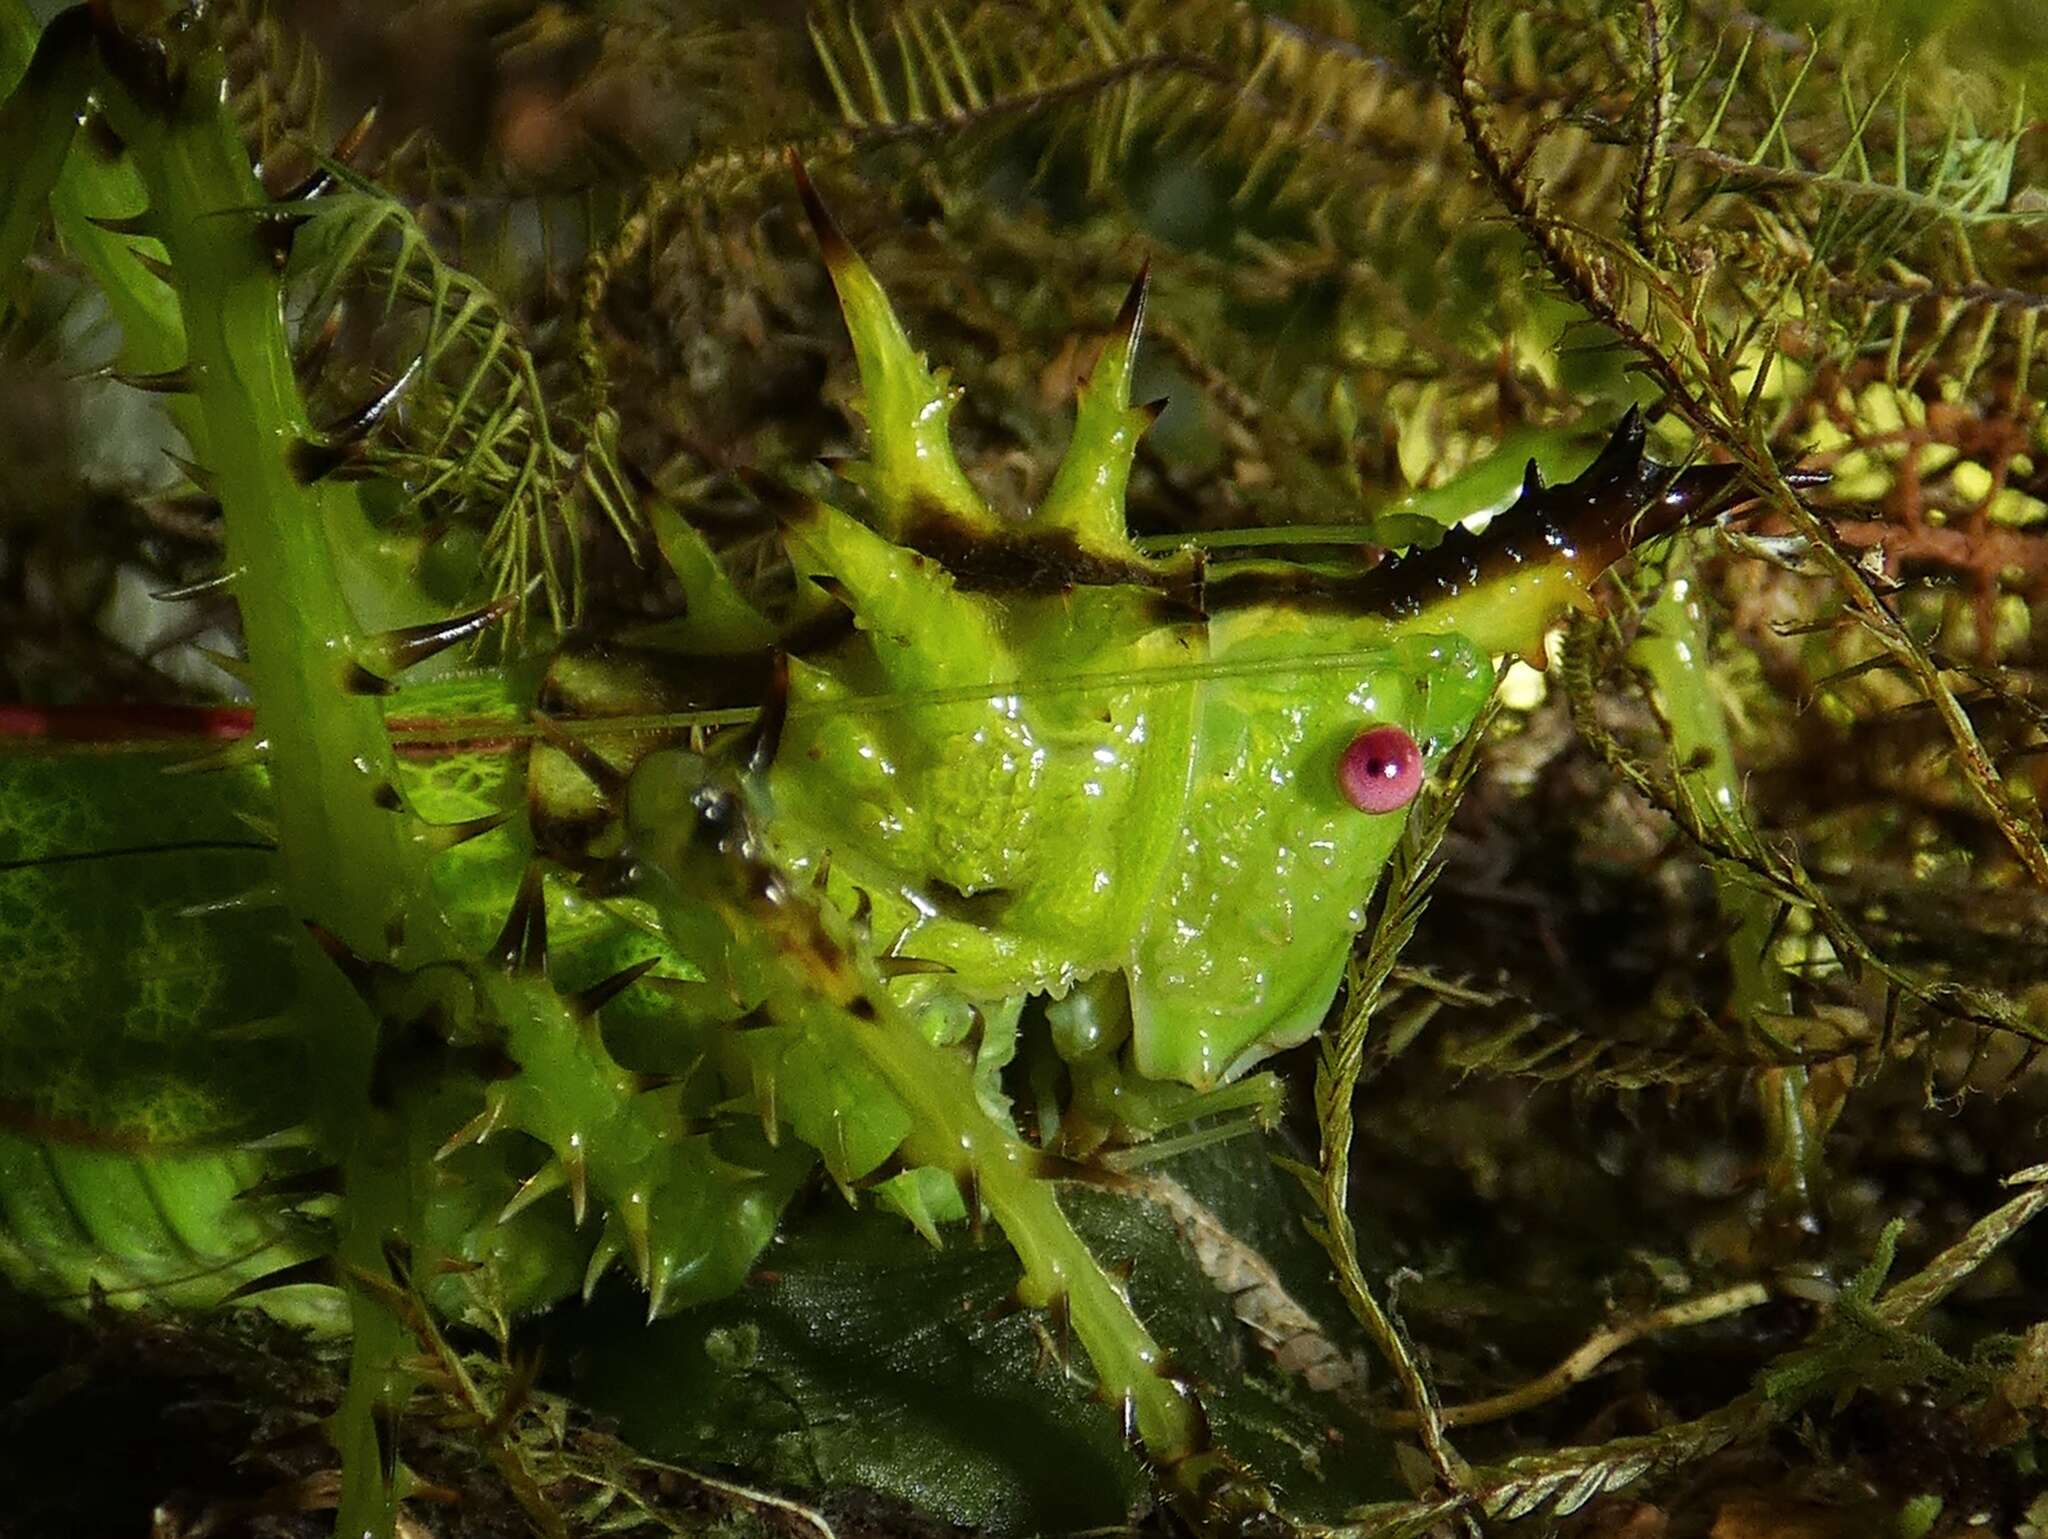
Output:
[[825, 986]]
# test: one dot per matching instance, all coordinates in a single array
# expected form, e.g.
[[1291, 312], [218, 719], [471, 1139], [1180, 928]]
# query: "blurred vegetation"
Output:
[[1748, 1011]]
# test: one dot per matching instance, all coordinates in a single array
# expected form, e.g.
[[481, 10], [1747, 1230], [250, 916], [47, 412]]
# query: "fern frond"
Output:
[[1869, 1336], [484, 445], [1405, 888], [275, 79], [1535, 1047], [1916, 1005], [1864, 194]]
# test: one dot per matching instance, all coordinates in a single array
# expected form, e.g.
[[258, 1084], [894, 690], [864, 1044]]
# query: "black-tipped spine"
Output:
[[442, 837], [577, 1170], [195, 472], [911, 967], [294, 1187], [323, 177], [407, 646], [342, 444], [319, 1270], [968, 1179], [593, 999], [609, 779], [178, 381], [359, 970], [1059, 1326], [521, 948], [765, 736], [142, 224], [832, 244], [1130, 316], [358, 680], [155, 266]]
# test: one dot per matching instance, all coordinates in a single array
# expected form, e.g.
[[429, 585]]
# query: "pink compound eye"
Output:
[[1381, 771]]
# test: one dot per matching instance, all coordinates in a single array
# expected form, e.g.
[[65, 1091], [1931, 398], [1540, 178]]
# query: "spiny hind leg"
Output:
[[824, 987]]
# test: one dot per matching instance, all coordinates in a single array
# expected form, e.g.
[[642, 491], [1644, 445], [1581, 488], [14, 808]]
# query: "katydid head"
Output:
[[1302, 777]]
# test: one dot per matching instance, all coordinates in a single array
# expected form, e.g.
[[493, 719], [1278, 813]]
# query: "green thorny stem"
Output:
[[355, 859], [348, 865]]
